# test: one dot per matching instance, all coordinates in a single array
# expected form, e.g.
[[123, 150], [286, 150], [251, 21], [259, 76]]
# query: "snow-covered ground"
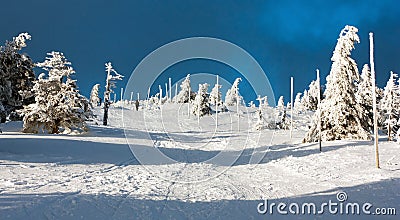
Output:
[[205, 173]]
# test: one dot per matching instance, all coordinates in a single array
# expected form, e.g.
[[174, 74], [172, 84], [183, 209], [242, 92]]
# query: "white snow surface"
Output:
[[96, 176]]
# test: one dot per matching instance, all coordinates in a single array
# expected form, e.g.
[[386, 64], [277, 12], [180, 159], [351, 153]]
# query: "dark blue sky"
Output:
[[287, 38]]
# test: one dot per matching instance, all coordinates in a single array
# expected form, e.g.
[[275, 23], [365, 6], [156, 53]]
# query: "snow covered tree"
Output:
[[390, 105], [215, 95], [259, 125], [58, 106], [3, 114], [297, 106], [94, 96], [201, 105], [16, 74], [341, 114], [282, 121], [310, 98], [364, 96], [281, 103], [112, 76], [183, 95], [232, 96]]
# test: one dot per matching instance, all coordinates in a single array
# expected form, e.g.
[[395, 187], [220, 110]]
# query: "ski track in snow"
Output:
[[96, 176]]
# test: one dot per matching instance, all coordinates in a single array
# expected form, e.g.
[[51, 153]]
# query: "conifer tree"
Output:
[[390, 105], [94, 96], [16, 75], [232, 96], [341, 114], [58, 105]]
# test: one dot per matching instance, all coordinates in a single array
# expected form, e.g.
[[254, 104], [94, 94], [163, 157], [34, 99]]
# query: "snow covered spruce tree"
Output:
[[183, 95], [58, 106], [390, 105], [16, 75], [281, 103], [215, 96], [364, 96], [201, 105], [341, 115], [298, 106], [112, 76], [94, 96], [310, 98], [232, 96]]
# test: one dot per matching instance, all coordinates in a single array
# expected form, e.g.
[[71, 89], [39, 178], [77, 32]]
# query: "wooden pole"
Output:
[[122, 94], [170, 89], [160, 96], [319, 111], [237, 109], [189, 103], [291, 107], [374, 107], [166, 91], [176, 91], [148, 97], [216, 105]]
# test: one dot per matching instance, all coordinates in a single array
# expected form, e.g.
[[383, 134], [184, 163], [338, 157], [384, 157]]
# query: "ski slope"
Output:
[[185, 168]]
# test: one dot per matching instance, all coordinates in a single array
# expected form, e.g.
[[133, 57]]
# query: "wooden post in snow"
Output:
[[189, 102], [170, 89], [176, 90], [319, 111], [237, 109], [291, 107], [374, 107], [166, 92], [148, 98], [122, 94], [160, 96], [216, 105]]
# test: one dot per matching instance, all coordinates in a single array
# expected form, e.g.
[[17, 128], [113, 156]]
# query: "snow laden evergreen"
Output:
[[310, 98], [201, 104], [183, 95], [260, 124], [232, 96], [112, 76], [298, 106], [281, 103], [341, 115], [364, 96], [281, 119], [16, 75], [94, 96], [390, 105], [215, 96], [58, 106]]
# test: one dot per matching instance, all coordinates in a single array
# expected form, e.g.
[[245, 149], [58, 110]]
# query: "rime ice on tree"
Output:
[[201, 105], [341, 114], [94, 96], [16, 76], [110, 84], [232, 95], [58, 105], [390, 105], [183, 95]]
